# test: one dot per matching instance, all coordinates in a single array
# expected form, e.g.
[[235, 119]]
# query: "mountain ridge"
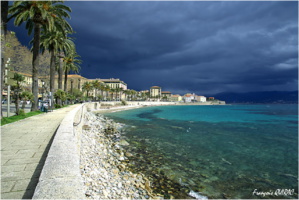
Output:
[[259, 97]]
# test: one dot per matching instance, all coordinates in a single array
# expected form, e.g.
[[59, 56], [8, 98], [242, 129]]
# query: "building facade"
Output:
[[200, 98], [114, 83], [155, 92], [176, 98], [188, 98]]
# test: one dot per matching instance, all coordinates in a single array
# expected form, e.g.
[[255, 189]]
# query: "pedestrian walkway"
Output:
[[24, 148]]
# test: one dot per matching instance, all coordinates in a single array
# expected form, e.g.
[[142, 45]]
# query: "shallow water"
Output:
[[220, 151]]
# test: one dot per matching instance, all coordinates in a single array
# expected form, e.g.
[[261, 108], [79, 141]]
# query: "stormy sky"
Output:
[[202, 47]]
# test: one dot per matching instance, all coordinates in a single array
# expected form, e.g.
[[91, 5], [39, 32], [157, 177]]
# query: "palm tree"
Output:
[[97, 86], [18, 78], [26, 96], [111, 92], [71, 63], [87, 86], [102, 89], [39, 15], [60, 56], [133, 92], [4, 14], [119, 92], [107, 89], [55, 41]]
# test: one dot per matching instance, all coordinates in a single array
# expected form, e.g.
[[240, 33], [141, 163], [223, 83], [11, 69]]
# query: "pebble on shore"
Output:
[[103, 163]]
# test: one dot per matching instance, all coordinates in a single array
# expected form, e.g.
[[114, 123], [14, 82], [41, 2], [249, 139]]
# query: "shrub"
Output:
[[124, 102], [22, 112], [57, 106]]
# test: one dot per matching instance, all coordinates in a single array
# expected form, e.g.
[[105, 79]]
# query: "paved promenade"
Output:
[[24, 147]]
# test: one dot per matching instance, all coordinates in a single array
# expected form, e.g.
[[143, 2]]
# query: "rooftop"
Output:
[[156, 87]]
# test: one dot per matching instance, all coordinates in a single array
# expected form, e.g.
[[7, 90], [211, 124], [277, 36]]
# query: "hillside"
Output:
[[21, 57]]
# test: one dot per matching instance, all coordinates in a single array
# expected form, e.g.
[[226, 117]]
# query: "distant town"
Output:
[[112, 89]]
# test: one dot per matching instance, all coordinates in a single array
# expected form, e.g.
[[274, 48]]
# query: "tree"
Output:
[[55, 41], [4, 13], [106, 88], [18, 78], [77, 94], [97, 86], [38, 15], [133, 92], [87, 86], [127, 94], [112, 91], [102, 88], [71, 63], [118, 92], [60, 94], [26, 96]]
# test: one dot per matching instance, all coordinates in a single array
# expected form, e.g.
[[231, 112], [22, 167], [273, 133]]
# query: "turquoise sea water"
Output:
[[220, 151]]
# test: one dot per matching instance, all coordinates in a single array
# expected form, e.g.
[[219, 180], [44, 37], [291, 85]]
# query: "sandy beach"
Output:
[[108, 107]]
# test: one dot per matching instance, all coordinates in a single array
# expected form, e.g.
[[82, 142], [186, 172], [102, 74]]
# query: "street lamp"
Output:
[[43, 87]]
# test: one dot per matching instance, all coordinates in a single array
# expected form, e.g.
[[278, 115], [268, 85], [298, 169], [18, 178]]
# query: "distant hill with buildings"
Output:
[[21, 57], [259, 97]]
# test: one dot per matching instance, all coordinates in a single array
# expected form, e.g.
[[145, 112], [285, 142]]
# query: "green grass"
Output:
[[7, 120]]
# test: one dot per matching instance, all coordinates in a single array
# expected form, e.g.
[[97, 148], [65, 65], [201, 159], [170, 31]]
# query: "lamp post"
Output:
[[6, 81], [43, 91]]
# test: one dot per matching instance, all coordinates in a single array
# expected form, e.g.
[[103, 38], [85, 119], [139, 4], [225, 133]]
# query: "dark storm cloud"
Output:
[[205, 47]]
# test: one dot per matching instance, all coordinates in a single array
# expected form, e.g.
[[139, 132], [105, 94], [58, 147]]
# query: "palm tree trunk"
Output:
[[72, 81], [65, 80], [60, 71], [52, 76], [35, 64], [4, 13], [24, 104], [17, 102]]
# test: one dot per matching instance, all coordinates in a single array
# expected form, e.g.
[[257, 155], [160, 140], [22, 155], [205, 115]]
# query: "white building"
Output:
[[201, 98], [188, 98]]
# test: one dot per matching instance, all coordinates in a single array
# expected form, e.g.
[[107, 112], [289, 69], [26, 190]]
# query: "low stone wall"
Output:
[[60, 177]]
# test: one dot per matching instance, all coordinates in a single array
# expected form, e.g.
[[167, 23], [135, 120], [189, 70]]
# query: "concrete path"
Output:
[[24, 148]]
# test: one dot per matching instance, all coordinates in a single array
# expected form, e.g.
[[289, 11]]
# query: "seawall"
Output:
[[60, 177]]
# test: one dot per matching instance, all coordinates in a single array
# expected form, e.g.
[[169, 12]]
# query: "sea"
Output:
[[216, 151]]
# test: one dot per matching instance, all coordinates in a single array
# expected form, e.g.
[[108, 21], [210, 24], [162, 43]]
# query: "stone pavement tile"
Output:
[[42, 148], [15, 147], [22, 161], [8, 154], [7, 186], [28, 184], [25, 152], [20, 175], [24, 155], [12, 168], [33, 166], [12, 195], [38, 155]]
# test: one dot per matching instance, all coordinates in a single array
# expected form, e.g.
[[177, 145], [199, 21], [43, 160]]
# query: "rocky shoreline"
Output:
[[103, 163], [106, 166]]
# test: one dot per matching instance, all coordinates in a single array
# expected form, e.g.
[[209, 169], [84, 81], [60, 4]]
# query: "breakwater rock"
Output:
[[103, 162]]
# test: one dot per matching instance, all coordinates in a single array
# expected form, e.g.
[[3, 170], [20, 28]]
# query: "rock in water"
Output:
[[124, 143]]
